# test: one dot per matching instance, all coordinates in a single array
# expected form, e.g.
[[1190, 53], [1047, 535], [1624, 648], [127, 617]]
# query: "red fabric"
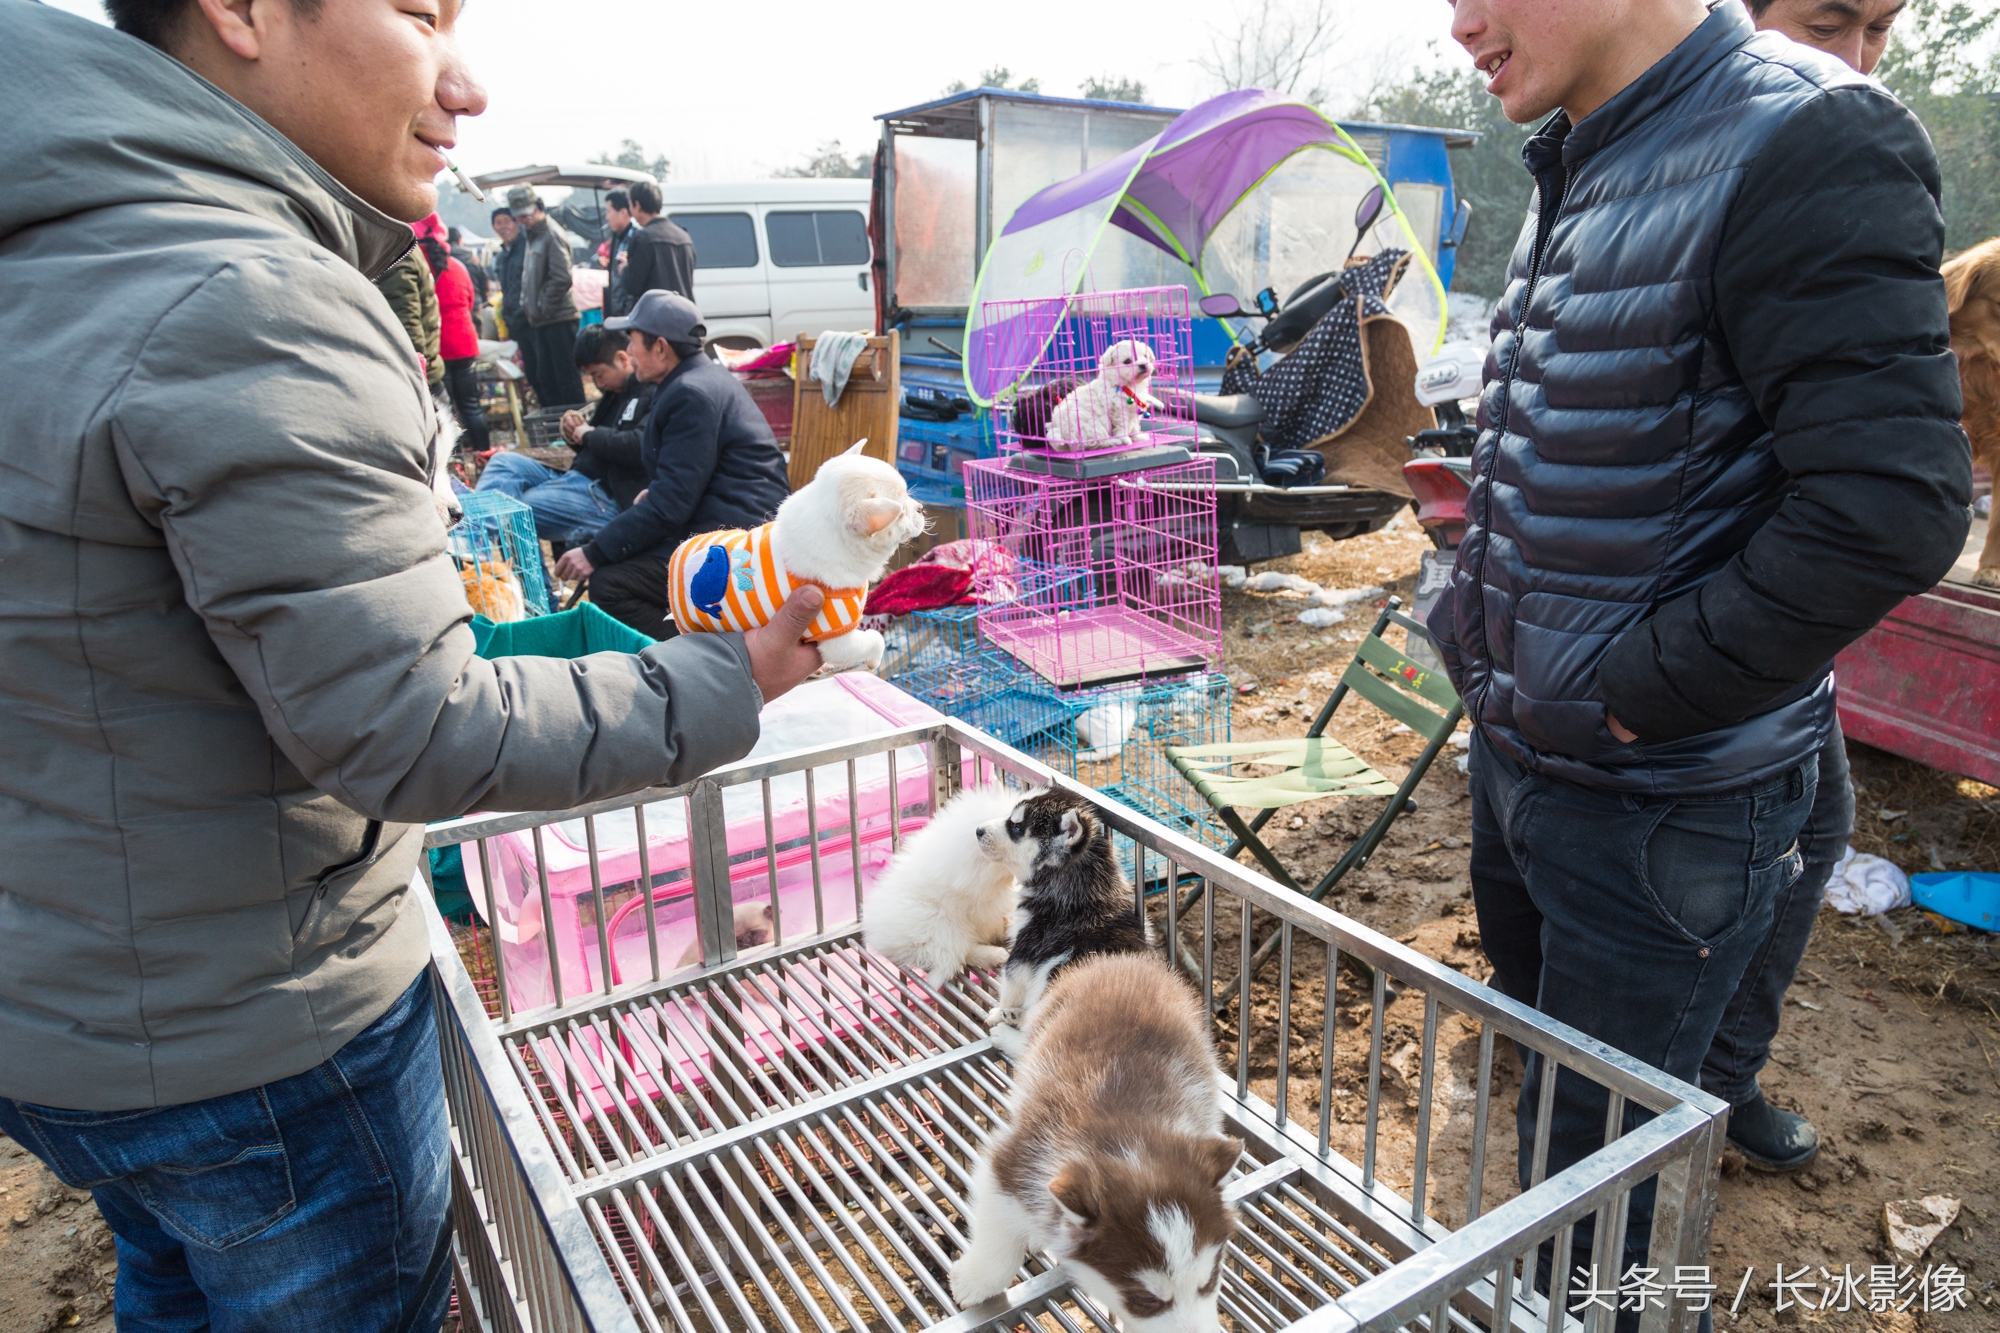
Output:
[[430, 226], [758, 360], [992, 566], [919, 587], [457, 338]]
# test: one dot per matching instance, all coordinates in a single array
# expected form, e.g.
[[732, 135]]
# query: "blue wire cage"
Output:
[[500, 557], [924, 639], [1114, 737], [1121, 734]]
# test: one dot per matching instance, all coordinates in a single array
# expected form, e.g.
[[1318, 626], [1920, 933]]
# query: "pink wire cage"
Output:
[[1142, 600], [1043, 350]]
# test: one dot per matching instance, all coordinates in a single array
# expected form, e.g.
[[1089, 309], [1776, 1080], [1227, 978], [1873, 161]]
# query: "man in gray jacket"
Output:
[[236, 672], [546, 301]]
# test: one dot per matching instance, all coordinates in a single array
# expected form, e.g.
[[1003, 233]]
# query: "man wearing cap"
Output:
[[710, 457], [546, 302]]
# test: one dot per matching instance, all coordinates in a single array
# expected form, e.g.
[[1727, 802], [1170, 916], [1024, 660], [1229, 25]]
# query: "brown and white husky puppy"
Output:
[[1114, 1159]]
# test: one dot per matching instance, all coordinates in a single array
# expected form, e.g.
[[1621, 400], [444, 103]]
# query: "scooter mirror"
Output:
[[1369, 209], [1222, 305]]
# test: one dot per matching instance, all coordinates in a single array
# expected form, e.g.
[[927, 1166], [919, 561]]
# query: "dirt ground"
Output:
[[1890, 1040], [56, 1263], [1891, 1032]]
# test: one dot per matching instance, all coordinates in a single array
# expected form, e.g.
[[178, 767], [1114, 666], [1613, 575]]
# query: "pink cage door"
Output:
[[804, 834], [1094, 373], [1145, 600]]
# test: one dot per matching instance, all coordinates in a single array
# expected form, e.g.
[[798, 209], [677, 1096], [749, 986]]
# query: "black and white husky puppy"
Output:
[[1075, 902]]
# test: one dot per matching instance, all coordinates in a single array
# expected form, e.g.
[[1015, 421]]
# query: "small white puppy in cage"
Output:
[[1113, 1157], [945, 901], [1101, 412]]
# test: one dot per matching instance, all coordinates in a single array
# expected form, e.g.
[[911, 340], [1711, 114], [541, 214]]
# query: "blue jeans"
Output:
[[568, 506], [319, 1202], [1631, 918], [1742, 1043]]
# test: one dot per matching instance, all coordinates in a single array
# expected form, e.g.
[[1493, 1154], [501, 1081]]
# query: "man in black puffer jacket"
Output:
[[1718, 441]]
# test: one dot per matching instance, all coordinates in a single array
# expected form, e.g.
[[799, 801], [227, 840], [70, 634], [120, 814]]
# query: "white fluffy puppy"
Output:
[[1103, 411], [943, 904]]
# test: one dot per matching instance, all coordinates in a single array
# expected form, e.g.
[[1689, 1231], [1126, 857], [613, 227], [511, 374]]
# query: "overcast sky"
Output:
[[732, 91]]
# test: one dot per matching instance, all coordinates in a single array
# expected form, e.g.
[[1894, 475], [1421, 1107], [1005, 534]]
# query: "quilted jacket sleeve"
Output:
[[297, 512], [1828, 295]]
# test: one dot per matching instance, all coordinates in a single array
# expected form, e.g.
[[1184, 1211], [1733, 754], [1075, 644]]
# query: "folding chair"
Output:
[[1314, 767]]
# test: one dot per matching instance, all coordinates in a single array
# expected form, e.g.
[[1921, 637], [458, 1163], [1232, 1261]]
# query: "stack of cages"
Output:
[[1097, 481], [499, 557], [921, 641]]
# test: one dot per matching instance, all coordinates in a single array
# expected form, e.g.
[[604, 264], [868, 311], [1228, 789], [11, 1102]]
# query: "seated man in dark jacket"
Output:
[[710, 460], [607, 474]]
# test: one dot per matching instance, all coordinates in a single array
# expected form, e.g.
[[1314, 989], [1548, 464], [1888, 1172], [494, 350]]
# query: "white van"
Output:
[[775, 259]]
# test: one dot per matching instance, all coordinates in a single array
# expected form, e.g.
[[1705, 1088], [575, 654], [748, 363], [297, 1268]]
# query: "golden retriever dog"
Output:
[[1972, 289]]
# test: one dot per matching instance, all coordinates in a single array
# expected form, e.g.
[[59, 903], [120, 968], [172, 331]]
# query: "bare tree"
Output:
[[1106, 88], [830, 160], [631, 154], [997, 76], [1282, 46]]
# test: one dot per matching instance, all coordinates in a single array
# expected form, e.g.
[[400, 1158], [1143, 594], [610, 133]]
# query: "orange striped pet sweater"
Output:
[[731, 581]]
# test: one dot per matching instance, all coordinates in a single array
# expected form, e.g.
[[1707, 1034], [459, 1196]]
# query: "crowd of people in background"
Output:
[[672, 443]]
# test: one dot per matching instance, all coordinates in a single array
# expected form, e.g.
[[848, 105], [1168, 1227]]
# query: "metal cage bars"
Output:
[[782, 1141]]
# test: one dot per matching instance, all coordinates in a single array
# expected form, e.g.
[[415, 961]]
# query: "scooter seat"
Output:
[[1226, 410]]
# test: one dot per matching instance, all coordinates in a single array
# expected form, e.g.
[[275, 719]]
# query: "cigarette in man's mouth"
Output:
[[464, 181]]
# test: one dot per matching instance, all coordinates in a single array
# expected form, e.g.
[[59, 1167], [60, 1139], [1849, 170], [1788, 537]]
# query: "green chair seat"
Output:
[[1313, 768]]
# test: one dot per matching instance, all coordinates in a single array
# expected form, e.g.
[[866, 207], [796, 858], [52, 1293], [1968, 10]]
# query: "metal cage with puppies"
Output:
[[785, 1139]]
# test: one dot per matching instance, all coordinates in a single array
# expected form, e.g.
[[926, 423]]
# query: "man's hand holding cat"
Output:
[[779, 659]]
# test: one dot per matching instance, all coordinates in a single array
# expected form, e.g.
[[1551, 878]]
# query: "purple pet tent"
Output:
[[1232, 195]]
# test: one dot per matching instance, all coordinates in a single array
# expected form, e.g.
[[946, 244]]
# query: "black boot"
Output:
[[1771, 1139]]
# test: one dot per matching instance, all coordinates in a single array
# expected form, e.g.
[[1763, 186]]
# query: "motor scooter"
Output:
[[1439, 474], [1257, 519]]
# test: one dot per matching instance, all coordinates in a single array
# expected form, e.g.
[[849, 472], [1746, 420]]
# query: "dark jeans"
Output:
[[634, 592], [1742, 1043], [317, 1203], [463, 387], [1631, 918], [522, 333], [557, 381]]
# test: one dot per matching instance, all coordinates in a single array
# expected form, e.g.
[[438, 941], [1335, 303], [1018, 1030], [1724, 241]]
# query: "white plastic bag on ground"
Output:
[[1270, 580], [1866, 885], [1344, 596]]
